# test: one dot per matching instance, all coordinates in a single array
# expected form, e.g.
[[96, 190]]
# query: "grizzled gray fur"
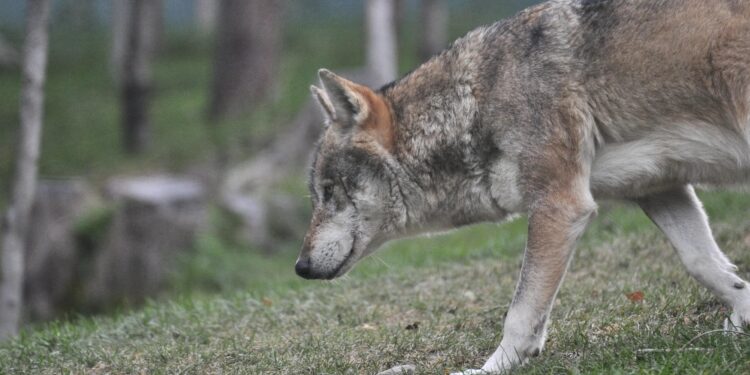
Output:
[[563, 104]]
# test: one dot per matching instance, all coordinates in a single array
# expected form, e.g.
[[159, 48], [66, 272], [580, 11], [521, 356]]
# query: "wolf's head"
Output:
[[357, 204]]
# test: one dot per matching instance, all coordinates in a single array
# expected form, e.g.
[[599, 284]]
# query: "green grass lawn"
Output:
[[436, 302]]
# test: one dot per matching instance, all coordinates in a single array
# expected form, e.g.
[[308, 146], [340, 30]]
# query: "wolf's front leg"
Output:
[[554, 228]]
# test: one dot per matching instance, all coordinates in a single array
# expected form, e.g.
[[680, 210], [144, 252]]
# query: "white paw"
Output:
[[735, 322], [471, 372], [492, 367], [399, 370]]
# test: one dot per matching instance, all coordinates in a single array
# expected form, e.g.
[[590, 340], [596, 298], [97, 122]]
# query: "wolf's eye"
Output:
[[327, 192]]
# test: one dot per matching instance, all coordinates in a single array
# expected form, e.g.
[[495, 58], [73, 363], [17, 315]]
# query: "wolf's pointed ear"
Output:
[[357, 110], [324, 103], [350, 107]]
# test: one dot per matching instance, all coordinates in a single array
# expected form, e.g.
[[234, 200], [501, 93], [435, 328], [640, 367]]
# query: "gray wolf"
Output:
[[564, 104]]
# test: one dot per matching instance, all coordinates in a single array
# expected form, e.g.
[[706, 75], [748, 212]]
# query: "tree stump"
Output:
[[155, 219], [51, 256]]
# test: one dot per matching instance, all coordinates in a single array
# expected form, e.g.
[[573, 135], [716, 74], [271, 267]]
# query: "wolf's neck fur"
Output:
[[444, 150]]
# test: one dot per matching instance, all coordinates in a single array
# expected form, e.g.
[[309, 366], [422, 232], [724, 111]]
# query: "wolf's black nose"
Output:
[[303, 268]]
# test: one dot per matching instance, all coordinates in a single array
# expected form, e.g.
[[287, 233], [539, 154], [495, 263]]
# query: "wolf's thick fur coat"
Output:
[[543, 113]]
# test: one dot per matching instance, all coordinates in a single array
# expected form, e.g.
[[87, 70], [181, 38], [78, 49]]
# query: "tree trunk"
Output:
[[52, 260], [136, 81], [433, 37], [205, 13], [247, 55], [381, 40], [120, 16], [15, 225], [121, 22], [156, 219]]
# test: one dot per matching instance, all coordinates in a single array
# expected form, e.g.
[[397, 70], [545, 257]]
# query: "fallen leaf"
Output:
[[470, 296], [636, 296], [368, 327]]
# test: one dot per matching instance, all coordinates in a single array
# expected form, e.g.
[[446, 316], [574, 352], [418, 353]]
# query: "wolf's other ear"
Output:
[[349, 106], [324, 103]]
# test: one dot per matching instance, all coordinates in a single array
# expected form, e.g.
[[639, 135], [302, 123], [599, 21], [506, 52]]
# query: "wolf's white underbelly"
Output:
[[668, 156]]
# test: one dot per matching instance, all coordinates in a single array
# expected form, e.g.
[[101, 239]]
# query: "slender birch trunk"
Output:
[[136, 81], [16, 220], [381, 40]]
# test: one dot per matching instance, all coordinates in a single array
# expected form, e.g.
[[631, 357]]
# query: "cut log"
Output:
[[155, 219], [51, 257]]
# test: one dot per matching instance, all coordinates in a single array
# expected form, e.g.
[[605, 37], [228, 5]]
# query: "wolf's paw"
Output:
[[471, 372], [399, 370], [736, 322]]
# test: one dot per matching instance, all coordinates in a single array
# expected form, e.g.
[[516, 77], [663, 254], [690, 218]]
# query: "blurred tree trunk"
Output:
[[247, 55], [381, 40], [16, 218], [121, 32], [120, 16], [205, 13], [135, 76], [433, 37]]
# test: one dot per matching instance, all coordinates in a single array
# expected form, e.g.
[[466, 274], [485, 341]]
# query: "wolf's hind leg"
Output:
[[679, 214]]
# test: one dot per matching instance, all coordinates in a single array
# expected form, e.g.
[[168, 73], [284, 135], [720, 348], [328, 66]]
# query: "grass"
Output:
[[436, 302]]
